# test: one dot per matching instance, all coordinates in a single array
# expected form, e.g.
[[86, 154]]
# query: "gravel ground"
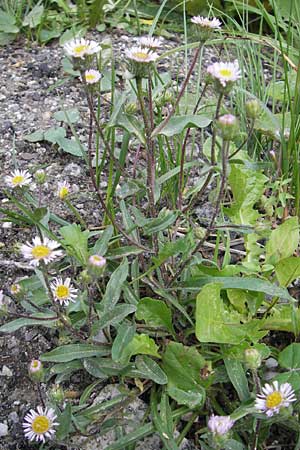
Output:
[[27, 105]]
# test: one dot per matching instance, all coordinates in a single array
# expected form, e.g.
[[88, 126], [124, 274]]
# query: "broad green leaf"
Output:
[[283, 318], [238, 378], [278, 90], [68, 116], [151, 369], [141, 344], [289, 377], [214, 323], [245, 301], [34, 17], [70, 146], [65, 422], [246, 283], [76, 241], [54, 134], [154, 312], [75, 351], [193, 398], [6, 38], [287, 270], [47, 35], [178, 123], [182, 366], [102, 367], [8, 23], [164, 220], [289, 358], [166, 435], [36, 136], [66, 367], [112, 317], [183, 245], [283, 241], [114, 286], [15, 325], [101, 246], [247, 187], [125, 335]]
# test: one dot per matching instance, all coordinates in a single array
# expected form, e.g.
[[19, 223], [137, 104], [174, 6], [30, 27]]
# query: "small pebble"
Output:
[[6, 372], [3, 429]]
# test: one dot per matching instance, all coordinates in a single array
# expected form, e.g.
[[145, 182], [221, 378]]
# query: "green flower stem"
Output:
[[250, 132], [187, 428], [183, 152], [214, 135], [76, 213], [181, 92], [225, 150], [149, 145]]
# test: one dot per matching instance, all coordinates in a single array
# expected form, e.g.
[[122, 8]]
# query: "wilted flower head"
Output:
[[36, 370], [41, 251], [96, 265], [97, 260], [18, 178], [40, 425], [63, 291], [150, 42], [205, 22], [63, 189], [224, 73], [274, 397], [228, 126], [220, 425], [91, 76], [80, 48]]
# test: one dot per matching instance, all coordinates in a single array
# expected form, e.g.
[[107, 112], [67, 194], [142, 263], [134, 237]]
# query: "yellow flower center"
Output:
[[80, 49], [17, 179], [14, 289], [41, 425], [35, 364], [40, 251], [90, 77], [141, 55], [62, 291], [64, 191], [273, 400], [226, 73]]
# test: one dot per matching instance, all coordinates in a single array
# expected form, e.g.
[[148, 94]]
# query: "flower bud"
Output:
[[56, 394], [36, 370], [199, 232], [252, 358], [40, 176], [253, 109], [228, 126], [96, 265], [131, 108]]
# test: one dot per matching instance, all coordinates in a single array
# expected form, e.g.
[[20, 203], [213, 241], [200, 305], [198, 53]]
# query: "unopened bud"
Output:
[[131, 108], [96, 265], [40, 176], [252, 358], [56, 394], [36, 370], [253, 109], [199, 232], [227, 126]]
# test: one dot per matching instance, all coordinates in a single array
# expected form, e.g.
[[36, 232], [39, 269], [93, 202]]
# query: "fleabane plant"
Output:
[[130, 290]]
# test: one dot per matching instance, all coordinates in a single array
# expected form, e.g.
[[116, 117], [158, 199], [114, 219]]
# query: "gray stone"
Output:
[[3, 429], [6, 372], [13, 417]]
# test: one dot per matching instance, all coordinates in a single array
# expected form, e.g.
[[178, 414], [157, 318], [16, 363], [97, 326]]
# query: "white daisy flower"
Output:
[[63, 189], [35, 366], [41, 251], [18, 178], [150, 42], [79, 48], [40, 425], [15, 289], [141, 55], [224, 72], [220, 424], [274, 397], [97, 260], [91, 76], [205, 22], [63, 291]]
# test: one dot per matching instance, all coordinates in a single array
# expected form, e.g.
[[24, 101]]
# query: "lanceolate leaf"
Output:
[[114, 286], [75, 351]]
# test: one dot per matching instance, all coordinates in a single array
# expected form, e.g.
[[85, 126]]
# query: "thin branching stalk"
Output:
[[183, 152], [250, 132], [76, 213], [158, 129], [225, 149], [214, 135]]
